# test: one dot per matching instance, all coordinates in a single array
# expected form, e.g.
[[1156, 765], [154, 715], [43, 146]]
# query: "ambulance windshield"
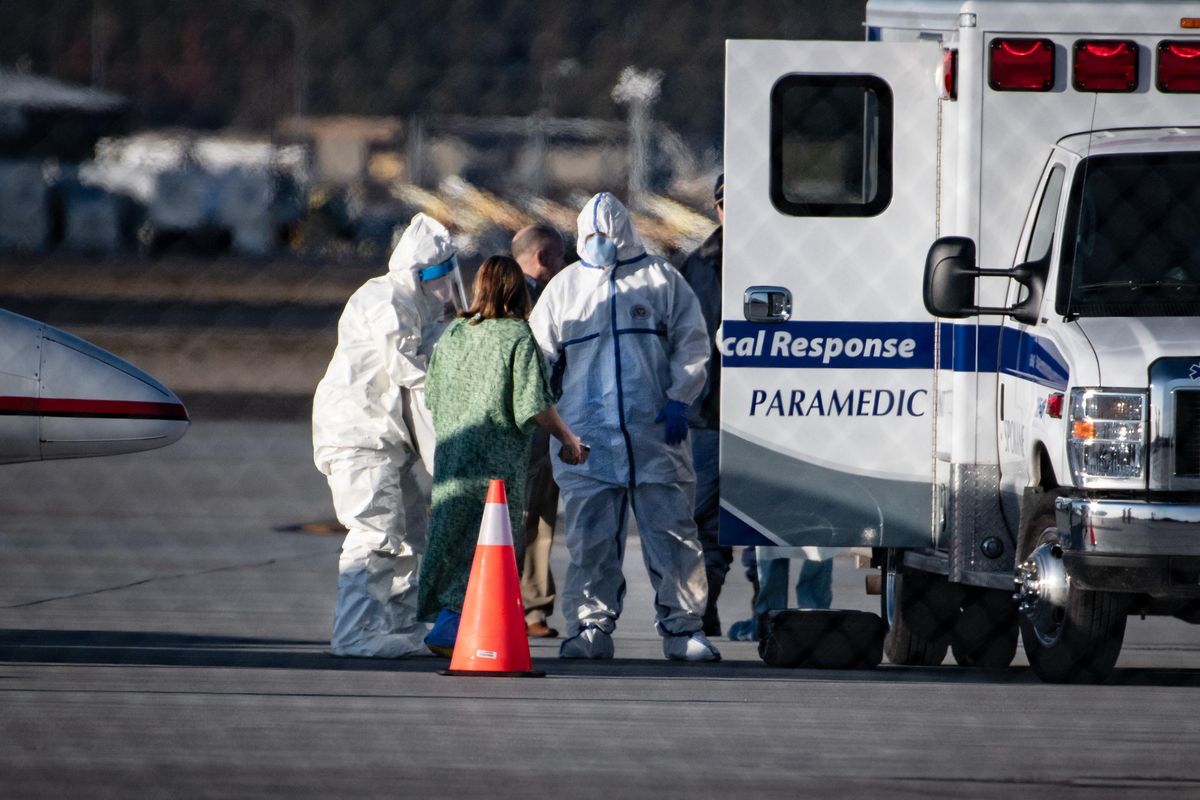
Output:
[[1132, 237]]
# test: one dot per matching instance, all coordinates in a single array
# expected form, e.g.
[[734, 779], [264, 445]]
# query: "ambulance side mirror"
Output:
[[950, 273]]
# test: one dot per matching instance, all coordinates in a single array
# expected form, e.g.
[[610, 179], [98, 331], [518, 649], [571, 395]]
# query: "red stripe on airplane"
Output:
[[65, 407]]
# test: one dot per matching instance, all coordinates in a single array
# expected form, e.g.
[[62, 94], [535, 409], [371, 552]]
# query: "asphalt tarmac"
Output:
[[163, 622]]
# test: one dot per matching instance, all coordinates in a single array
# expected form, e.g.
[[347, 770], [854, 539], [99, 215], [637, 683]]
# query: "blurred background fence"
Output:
[[200, 185], [268, 126]]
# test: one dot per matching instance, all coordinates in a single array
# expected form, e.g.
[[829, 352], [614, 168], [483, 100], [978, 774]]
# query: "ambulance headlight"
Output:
[[1106, 440]]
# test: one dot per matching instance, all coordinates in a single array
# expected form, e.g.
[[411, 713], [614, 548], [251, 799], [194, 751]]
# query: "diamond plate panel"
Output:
[[975, 515]]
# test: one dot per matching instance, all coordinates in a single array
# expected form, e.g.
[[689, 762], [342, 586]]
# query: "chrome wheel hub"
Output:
[[1042, 586]]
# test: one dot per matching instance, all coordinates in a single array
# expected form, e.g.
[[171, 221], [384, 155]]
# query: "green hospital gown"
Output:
[[485, 384]]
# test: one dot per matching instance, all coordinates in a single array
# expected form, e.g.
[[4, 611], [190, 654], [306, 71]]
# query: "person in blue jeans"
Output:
[[814, 587]]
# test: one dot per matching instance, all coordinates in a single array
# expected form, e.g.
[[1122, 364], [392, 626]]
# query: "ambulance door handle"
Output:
[[767, 304]]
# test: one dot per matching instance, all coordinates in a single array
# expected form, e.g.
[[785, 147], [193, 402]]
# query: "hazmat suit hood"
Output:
[[424, 242], [605, 214]]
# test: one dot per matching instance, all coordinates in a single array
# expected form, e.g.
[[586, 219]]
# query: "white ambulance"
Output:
[[962, 318]]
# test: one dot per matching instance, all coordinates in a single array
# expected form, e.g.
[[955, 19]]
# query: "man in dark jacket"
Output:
[[702, 270], [540, 251]]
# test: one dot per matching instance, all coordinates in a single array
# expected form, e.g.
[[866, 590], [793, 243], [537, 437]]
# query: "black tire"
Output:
[[985, 635], [917, 636], [1084, 646]]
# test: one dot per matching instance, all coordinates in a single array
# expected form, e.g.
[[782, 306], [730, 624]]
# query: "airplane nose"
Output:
[[93, 403]]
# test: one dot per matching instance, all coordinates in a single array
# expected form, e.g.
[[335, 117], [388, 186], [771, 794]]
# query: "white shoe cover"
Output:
[[386, 645], [690, 647], [588, 643]]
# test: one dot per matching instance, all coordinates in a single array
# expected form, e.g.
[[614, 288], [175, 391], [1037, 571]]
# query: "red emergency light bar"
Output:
[[1178, 66], [1021, 65], [1105, 66]]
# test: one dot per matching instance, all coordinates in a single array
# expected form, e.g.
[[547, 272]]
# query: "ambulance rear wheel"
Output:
[[904, 594], [985, 634], [1070, 635]]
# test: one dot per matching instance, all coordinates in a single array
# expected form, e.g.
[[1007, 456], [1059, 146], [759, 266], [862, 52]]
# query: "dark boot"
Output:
[[712, 621]]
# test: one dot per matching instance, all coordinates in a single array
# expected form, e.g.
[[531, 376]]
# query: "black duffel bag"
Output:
[[822, 639]]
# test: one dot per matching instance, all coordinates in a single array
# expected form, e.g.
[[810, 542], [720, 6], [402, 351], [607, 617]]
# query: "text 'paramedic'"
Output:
[[835, 403]]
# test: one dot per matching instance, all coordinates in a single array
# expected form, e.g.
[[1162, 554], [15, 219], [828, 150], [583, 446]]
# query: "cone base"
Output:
[[482, 673]]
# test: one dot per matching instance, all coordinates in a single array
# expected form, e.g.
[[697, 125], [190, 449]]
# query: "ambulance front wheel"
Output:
[[1070, 635]]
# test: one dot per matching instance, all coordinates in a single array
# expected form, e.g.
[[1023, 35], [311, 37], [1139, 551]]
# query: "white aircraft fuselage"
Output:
[[62, 397]]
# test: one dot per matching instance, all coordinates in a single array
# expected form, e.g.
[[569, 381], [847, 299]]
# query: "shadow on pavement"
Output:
[[138, 648], [887, 673]]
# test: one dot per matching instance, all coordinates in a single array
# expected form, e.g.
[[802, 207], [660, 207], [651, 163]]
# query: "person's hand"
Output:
[[674, 414], [573, 452]]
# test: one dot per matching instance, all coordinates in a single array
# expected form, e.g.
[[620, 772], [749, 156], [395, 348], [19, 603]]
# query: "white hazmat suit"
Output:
[[370, 426], [622, 340]]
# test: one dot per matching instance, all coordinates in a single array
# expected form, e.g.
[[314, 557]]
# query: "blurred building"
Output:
[[46, 126], [42, 117]]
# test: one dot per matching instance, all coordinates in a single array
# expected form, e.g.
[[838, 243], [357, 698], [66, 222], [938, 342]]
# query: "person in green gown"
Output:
[[487, 388]]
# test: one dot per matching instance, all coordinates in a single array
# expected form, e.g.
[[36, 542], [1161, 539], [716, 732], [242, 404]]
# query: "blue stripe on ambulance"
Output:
[[893, 345], [992, 348]]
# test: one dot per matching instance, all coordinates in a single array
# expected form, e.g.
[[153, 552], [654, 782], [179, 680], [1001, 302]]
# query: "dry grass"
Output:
[[269, 360]]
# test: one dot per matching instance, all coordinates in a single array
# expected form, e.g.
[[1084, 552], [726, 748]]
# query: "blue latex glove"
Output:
[[675, 414]]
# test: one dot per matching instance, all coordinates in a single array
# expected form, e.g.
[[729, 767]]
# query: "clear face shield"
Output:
[[442, 285]]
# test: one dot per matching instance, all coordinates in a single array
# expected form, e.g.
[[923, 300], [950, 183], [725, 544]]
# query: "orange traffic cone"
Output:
[[491, 633]]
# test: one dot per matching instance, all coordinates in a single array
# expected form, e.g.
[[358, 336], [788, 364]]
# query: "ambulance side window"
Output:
[[831, 145], [1043, 226]]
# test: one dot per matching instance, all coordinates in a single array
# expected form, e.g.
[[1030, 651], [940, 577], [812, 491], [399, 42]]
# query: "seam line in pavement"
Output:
[[157, 578]]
